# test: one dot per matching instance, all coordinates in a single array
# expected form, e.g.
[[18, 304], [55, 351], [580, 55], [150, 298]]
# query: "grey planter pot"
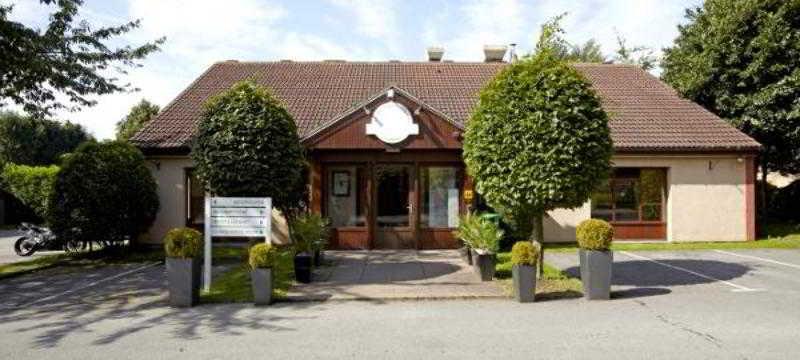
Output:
[[524, 278], [466, 254], [183, 280], [483, 265], [261, 282], [596, 273]]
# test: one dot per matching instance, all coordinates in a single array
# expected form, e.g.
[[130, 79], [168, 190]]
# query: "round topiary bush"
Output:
[[594, 234], [262, 255], [525, 253], [247, 145], [104, 192], [184, 243]]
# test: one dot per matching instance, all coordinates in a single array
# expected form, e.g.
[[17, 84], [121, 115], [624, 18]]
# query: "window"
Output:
[[346, 202], [440, 188], [195, 201], [631, 195]]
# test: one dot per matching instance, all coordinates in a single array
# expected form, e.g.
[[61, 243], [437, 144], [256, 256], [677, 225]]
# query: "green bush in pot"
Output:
[[262, 259], [184, 249], [483, 237], [524, 256], [594, 240]]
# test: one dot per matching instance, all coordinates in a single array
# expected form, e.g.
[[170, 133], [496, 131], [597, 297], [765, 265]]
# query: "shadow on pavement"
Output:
[[127, 305], [648, 274]]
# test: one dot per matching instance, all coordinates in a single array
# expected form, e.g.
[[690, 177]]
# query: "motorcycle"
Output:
[[38, 238]]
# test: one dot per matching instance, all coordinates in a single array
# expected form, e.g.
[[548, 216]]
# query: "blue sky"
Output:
[[201, 32]]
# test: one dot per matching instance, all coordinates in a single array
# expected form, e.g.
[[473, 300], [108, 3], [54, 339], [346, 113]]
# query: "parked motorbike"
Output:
[[36, 238]]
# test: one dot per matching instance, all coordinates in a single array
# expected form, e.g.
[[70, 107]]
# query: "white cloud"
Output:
[[375, 19], [485, 22]]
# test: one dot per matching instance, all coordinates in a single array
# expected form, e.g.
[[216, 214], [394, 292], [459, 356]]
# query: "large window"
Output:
[[631, 195], [440, 188], [346, 202], [195, 201]]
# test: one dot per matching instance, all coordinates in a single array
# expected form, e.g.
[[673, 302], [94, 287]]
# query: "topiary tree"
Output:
[[247, 145], [104, 192], [184, 243], [537, 140], [594, 234]]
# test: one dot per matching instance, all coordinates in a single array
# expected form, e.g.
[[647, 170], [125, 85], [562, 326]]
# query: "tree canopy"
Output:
[[741, 60], [247, 145], [25, 140], [65, 58], [538, 140], [137, 117]]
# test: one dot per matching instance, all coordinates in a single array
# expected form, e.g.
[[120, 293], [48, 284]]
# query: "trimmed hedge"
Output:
[[185, 243], [32, 185], [247, 145], [262, 255], [525, 253], [594, 234], [104, 192]]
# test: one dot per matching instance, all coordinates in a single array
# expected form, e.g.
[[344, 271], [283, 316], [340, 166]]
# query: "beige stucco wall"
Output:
[[170, 175], [705, 199]]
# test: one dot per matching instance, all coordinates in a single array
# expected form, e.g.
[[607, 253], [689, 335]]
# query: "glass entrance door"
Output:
[[394, 207]]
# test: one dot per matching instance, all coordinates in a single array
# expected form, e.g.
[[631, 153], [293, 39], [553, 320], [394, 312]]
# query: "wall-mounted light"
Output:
[[740, 159]]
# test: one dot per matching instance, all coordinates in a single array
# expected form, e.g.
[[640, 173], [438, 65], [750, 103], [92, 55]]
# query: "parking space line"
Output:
[[94, 283], [758, 258], [736, 287]]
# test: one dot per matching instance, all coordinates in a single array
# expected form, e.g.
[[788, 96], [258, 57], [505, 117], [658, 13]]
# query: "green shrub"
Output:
[[525, 253], [785, 203], [262, 255], [183, 243], [594, 234], [104, 192], [479, 233], [32, 185], [247, 145], [309, 232]]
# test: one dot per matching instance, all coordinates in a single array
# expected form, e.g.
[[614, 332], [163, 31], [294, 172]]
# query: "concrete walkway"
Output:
[[395, 275]]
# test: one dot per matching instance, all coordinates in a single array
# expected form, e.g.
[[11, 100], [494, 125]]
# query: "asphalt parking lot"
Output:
[[692, 304]]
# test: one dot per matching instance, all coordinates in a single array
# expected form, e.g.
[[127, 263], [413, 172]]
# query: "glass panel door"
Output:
[[393, 185]]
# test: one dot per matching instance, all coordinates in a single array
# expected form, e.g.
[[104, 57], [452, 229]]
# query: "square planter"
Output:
[[596, 273], [261, 282], [483, 265], [524, 278], [466, 254], [183, 280], [302, 267], [319, 257]]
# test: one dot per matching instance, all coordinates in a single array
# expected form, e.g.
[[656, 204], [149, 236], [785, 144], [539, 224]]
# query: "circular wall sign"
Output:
[[392, 123]]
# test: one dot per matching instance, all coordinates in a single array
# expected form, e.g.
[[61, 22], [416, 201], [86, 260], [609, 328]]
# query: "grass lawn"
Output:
[[554, 284], [778, 236], [234, 284]]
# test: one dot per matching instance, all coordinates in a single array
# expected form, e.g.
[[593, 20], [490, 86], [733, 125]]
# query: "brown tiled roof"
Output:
[[646, 114]]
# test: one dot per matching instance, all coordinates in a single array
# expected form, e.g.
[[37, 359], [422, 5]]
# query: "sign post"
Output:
[[234, 217]]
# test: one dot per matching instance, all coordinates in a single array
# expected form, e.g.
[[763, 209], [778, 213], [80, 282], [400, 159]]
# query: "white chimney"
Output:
[[494, 53], [435, 53]]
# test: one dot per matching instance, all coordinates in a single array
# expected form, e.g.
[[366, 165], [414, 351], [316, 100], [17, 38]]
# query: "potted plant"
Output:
[[262, 260], [183, 247], [524, 255], [594, 240], [483, 237], [309, 234]]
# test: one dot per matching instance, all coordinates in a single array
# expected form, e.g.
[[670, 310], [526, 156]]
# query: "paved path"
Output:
[[660, 311], [387, 275]]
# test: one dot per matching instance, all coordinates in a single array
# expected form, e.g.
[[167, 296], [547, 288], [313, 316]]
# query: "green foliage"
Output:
[[104, 192], [479, 232], [538, 139], [139, 115], [525, 253], [247, 145], [262, 255], [183, 243], [62, 58], [309, 232], [29, 141], [594, 234], [785, 203], [32, 185], [741, 60], [641, 56]]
